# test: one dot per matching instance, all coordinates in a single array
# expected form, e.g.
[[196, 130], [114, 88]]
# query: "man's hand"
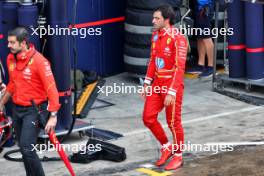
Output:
[[169, 100], [2, 87], [4, 99], [51, 124], [2, 91], [146, 91]]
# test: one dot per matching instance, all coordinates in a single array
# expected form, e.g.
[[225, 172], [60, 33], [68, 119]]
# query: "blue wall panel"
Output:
[[102, 54]]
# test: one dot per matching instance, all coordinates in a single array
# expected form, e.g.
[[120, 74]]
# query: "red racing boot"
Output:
[[175, 162], [166, 153]]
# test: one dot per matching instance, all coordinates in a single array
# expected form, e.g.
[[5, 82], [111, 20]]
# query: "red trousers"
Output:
[[154, 104]]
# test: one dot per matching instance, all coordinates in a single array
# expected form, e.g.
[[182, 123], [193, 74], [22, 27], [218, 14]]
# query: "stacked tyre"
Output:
[[138, 31]]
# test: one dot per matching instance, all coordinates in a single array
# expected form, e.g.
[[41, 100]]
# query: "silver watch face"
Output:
[[53, 114]]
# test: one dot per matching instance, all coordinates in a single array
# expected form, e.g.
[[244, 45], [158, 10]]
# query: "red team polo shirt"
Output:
[[31, 78]]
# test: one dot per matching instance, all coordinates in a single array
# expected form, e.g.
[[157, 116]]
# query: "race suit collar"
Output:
[[165, 31]]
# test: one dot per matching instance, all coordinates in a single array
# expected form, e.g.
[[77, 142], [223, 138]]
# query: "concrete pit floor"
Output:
[[208, 117]]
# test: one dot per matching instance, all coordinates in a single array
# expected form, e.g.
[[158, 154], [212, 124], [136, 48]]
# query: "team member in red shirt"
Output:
[[30, 79], [166, 72]]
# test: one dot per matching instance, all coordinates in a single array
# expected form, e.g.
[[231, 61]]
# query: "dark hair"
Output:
[[167, 12], [20, 33]]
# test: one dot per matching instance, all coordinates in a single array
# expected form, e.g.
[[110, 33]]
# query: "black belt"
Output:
[[30, 106]]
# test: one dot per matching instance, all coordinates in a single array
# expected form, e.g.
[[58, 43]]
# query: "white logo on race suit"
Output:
[[182, 49], [47, 70], [160, 63], [167, 49]]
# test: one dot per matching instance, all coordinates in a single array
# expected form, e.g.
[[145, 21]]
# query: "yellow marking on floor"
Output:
[[221, 70], [153, 173], [195, 75], [190, 76], [85, 96]]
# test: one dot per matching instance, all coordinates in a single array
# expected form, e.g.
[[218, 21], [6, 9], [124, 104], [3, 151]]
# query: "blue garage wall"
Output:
[[1, 32], [9, 21], [102, 54]]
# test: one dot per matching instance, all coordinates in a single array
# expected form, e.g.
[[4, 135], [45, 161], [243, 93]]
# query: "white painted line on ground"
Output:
[[147, 165], [200, 119], [235, 143]]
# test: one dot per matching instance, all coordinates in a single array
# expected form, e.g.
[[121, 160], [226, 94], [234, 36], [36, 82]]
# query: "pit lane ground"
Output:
[[208, 117]]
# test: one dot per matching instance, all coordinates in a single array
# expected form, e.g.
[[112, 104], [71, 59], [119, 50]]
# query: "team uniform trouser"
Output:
[[153, 105], [25, 121]]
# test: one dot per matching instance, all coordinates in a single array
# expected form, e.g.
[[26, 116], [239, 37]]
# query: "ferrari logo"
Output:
[[30, 62], [168, 41]]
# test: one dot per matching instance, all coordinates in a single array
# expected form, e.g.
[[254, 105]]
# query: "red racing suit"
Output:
[[31, 78], [166, 72]]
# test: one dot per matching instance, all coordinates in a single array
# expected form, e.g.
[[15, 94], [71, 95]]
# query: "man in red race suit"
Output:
[[165, 81]]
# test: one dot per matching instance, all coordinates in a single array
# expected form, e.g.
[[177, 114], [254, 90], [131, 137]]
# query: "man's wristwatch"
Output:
[[54, 114]]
